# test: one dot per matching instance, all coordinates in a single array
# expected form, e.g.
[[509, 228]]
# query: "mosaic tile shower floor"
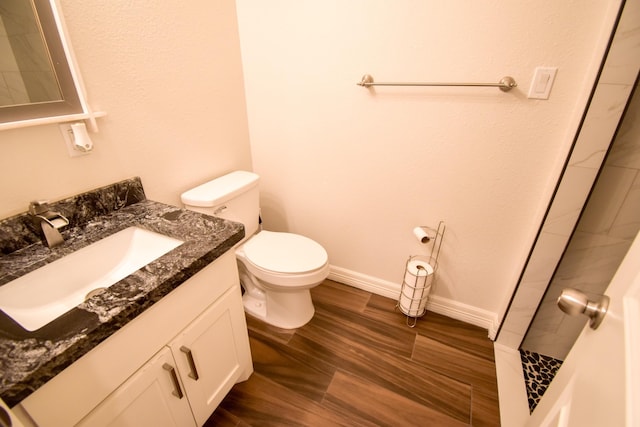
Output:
[[539, 370]]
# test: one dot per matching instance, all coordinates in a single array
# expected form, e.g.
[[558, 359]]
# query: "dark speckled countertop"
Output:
[[30, 359]]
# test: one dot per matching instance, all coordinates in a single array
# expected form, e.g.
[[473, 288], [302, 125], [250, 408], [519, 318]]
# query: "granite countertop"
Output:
[[30, 359]]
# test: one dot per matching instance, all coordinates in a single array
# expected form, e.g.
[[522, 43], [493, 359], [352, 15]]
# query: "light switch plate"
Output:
[[542, 82]]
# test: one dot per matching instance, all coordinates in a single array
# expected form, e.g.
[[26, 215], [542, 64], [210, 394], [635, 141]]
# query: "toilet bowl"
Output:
[[276, 269]]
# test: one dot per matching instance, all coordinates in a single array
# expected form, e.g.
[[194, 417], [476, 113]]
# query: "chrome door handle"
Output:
[[192, 363], [177, 390], [575, 302]]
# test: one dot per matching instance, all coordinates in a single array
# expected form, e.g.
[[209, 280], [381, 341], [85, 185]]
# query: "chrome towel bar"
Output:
[[505, 84]]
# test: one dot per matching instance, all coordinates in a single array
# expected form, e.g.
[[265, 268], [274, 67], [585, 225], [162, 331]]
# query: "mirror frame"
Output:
[[71, 103]]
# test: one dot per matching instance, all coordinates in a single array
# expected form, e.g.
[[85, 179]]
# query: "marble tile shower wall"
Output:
[[603, 236], [612, 92]]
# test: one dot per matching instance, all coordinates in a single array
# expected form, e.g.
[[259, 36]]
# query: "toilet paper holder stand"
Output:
[[416, 286]]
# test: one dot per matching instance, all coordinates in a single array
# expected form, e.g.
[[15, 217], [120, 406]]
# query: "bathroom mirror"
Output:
[[36, 79]]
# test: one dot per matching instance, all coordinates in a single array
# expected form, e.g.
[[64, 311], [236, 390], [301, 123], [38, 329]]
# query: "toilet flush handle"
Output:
[[574, 302], [220, 210]]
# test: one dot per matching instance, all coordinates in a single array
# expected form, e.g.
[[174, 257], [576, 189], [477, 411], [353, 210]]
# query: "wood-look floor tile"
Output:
[[355, 327], [290, 367], [397, 374], [461, 335], [275, 333], [223, 418], [351, 395], [455, 363], [339, 295], [358, 345], [484, 407], [262, 402], [469, 368], [384, 310]]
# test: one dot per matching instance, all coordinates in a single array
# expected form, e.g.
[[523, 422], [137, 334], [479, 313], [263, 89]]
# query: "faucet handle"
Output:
[[36, 207]]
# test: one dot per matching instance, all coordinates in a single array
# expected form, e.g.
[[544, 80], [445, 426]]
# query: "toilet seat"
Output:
[[284, 260], [285, 253]]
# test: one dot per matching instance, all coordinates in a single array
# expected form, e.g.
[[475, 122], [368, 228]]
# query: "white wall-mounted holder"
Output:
[[77, 138]]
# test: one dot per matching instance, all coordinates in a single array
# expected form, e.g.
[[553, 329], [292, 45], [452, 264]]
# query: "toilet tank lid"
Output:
[[219, 190]]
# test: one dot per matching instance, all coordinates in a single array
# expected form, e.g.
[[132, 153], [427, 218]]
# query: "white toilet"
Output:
[[276, 269]]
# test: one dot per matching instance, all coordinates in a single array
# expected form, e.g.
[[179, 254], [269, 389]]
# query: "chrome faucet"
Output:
[[50, 222]]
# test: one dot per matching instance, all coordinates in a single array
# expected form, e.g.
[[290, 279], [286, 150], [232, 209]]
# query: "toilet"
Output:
[[276, 269]]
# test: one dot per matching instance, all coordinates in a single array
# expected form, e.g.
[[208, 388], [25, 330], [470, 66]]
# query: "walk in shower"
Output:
[[593, 217], [602, 237]]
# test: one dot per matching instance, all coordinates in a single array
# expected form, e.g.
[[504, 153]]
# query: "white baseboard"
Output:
[[444, 306], [364, 282]]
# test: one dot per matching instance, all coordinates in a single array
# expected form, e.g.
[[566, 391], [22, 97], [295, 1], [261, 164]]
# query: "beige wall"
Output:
[[352, 168], [169, 76], [357, 169]]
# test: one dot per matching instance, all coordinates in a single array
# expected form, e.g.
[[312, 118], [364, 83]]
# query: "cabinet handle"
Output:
[[192, 363], [177, 391]]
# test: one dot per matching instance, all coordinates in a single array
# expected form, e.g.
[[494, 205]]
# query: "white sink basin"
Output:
[[39, 297]]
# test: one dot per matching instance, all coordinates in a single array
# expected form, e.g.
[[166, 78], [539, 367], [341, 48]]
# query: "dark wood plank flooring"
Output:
[[358, 364]]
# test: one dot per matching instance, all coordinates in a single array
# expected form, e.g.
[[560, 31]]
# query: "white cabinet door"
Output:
[[210, 354], [184, 382], [150, 397]]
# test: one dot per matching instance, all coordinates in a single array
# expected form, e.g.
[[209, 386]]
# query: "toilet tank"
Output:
[[234, 196]]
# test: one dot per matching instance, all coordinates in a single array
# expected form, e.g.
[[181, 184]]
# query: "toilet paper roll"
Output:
[[417, 268], [415, 289], [421, 235]]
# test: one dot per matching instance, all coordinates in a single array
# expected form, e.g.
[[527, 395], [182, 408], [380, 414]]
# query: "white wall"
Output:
[[357, 169], [169, 75], [354, 169]]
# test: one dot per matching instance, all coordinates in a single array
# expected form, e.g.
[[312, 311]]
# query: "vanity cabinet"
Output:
[[192, 374], [144, 399], [171, 366]]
